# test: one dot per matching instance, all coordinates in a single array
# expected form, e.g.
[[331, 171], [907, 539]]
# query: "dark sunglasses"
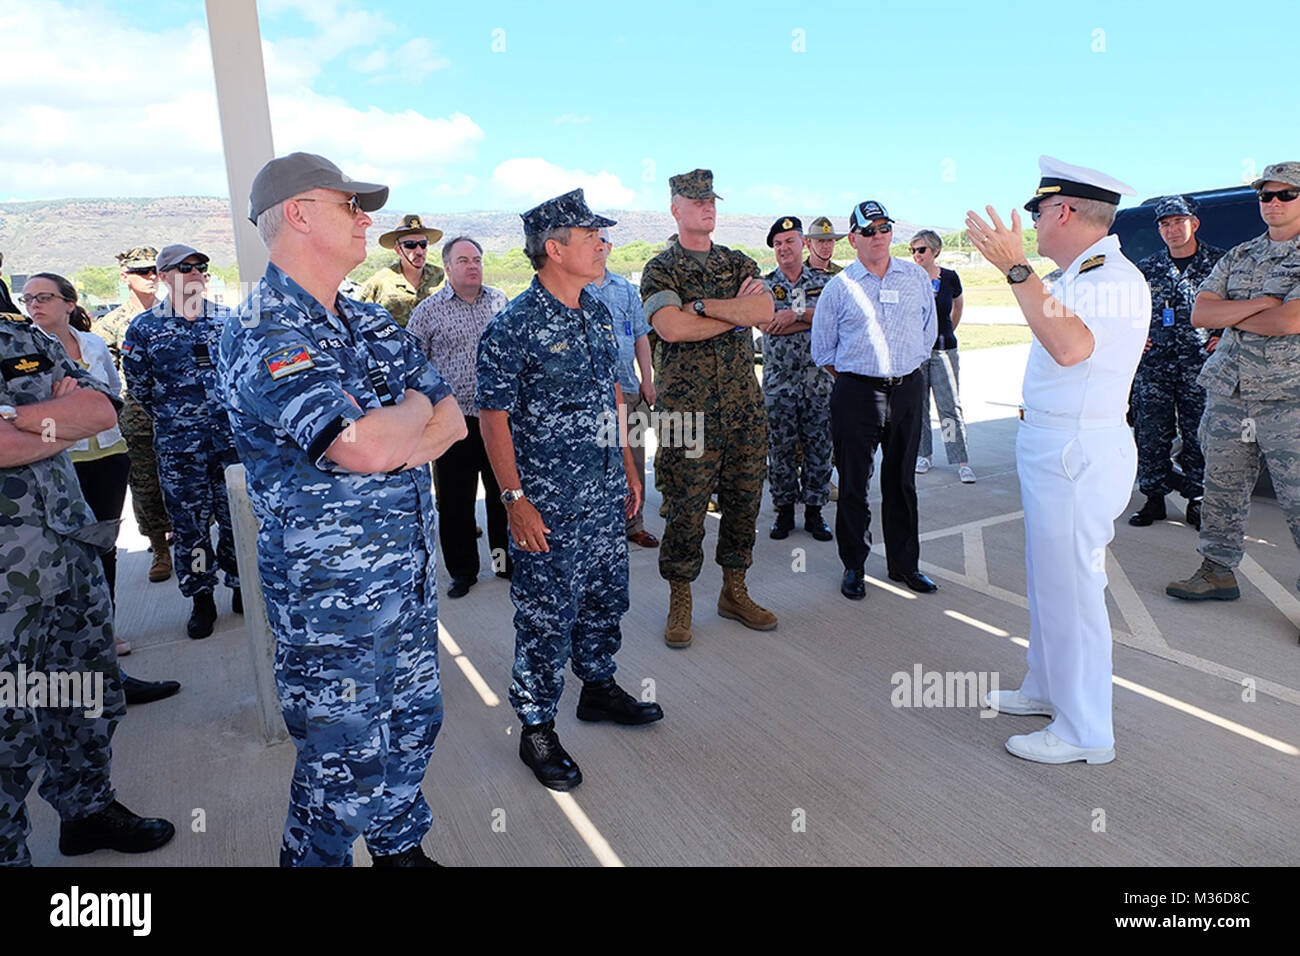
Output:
[[185, 268], [415, 244], [1286, 195], [143, 271], [1039, 211], [920, 249], [870, 231]]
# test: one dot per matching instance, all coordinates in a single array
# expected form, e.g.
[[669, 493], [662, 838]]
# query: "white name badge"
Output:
[[889, 296]]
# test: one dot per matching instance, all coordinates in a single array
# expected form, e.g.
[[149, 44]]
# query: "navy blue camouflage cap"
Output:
[[287, 176], [1175, 206], [571, 209], [865, 213], [697, 184], [784, 224]]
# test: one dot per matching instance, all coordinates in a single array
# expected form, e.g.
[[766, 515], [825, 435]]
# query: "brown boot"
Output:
[[162, 557], [734, 602], [678, 631], [1211, 582]]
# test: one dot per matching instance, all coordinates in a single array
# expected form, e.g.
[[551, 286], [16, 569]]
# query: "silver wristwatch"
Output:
[[8, 413], [511, 496]]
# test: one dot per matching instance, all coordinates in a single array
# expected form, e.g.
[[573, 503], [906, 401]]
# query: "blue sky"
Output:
[[929, 107]]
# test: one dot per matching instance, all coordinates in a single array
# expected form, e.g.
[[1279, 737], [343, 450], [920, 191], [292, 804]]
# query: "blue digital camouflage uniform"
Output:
[[797, 392], [1166, 399], [55, 610], [171, 368], [553, 370], [347, 563]]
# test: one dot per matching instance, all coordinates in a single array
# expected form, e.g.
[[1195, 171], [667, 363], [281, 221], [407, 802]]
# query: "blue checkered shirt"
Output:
[[873, 326]]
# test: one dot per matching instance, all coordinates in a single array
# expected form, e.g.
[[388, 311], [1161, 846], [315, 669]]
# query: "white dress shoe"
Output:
[[1014, 702], [1045, 747], [967, 474]]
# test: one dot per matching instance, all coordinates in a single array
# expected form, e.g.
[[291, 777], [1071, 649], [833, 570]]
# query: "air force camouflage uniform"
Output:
[[171, 369], [347, 563], [1165, 388], [797, 392], [55, 610], [553, 370]]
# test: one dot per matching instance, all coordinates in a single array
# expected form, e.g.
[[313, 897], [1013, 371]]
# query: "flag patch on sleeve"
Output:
[[287, 361]]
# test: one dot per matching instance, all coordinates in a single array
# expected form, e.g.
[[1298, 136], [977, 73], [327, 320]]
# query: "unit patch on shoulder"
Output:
[[1093, 262], [287, 361], [25, 365]]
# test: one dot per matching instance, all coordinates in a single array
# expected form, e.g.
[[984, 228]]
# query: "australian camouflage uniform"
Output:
[[389, 288]]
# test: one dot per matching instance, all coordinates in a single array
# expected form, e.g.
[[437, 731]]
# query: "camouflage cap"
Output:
[[568, 210], [784, 224], [865, 213], [141, 257], [823, 228], [411, 226], [1288, 173], [697, 184], [1175, 206]]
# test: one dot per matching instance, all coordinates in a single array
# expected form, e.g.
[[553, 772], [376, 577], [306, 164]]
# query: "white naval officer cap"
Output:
[[1063, 179]]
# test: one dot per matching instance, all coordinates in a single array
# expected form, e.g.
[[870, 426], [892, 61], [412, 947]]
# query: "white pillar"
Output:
[[245, 117], [261, 643]]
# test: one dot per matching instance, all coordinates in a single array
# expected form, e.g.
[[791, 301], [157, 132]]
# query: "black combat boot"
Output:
[[540, 749], [113, 828], [605, 700], [415, 856], [1194, 513], [203, 616], [1153, 510], [814, 524], [784, 522], [237, 600]]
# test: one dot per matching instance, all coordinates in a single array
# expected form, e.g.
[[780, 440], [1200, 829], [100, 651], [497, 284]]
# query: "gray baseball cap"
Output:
[[287, 176], [173, 255]]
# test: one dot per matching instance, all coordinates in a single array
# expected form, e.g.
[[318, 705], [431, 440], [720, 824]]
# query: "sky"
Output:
[[931, 108]]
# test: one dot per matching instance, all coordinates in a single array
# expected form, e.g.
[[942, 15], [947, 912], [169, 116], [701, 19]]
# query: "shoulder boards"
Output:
[[1094, 262], [15, 317]]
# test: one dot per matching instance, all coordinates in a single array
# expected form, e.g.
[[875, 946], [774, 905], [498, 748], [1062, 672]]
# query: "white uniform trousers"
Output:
[[1074, 484]]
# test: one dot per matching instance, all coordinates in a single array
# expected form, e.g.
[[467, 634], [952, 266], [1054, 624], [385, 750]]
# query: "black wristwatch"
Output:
[[1019, 273], [698, 306]]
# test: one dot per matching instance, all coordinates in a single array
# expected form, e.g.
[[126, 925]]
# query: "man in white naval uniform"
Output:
[[1074, 453]]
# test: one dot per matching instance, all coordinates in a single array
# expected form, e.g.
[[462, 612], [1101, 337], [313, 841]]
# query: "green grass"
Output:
[[990, 336]]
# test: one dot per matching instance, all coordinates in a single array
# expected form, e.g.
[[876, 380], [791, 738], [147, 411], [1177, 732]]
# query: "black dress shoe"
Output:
[[1194, 513], [146, 692], [460, 587], [540, 749], [853, 587], [203, 616], [237, 600], [113, 828], [815, 525], [607, 701], [1153, 510], [415, 856], [916, 581], [507, 573], [784, 523]]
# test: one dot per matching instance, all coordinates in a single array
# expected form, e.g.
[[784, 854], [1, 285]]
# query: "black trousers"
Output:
[[458, 472], [103, 483], [866, 413]]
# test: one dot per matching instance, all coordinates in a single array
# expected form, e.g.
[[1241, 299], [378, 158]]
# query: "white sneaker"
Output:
[[922, 465], [1045, 747], [1014, 702], [967, 474]]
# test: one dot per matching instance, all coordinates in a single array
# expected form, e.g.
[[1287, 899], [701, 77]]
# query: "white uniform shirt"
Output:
[[94, 350], [1114, 301]]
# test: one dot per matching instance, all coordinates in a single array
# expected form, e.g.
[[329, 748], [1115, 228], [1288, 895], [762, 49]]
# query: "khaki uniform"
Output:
[[390, 289]]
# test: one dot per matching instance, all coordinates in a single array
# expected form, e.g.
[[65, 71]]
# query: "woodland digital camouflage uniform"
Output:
[[388, 287], [55, 611], [347, 563]]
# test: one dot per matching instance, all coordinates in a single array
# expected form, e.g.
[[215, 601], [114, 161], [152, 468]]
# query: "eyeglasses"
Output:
[[41, 298], [1286, 195], [185, 268], [920, 249], [354, 207], [143, 271], [884, 229], [1039, 211], [415, 244]]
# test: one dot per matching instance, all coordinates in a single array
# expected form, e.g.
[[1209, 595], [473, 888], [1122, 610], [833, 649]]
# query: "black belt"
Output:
[[889, 382]]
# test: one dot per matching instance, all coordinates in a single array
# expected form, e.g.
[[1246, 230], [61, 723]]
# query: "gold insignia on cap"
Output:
[[1044, 190], [787, 224], [826, 227], [1093, 262]]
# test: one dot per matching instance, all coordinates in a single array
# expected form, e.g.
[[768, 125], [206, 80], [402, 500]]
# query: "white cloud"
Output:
[[534, 179]]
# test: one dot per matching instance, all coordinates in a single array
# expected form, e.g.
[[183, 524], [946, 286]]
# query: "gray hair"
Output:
[[930, 238], [269, 223], [1094, 212], [450, 243], [535, 245]]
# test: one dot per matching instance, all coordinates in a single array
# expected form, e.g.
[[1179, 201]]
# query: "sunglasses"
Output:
[[40, 298], [415, 244], [916, 251], [143, 271], [1039, 211], [870, 231], [354, 207], [1286, 195], [185, 268]]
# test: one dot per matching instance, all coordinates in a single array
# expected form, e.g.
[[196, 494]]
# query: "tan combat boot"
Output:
[[161, 569], [678, 631], [1211, 582], [734, 602]]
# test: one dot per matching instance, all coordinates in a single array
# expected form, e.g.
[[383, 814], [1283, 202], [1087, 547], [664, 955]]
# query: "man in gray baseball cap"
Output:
[[287, 176]]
